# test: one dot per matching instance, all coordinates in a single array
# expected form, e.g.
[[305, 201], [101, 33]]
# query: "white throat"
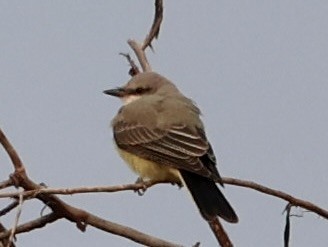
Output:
[[128, 99]]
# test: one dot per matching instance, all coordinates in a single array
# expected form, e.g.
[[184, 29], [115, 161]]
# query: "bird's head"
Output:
[[142, 84]]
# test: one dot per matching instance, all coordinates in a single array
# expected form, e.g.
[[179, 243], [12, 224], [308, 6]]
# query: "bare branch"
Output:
[[10, 207], [139, 49], [128, 232], [13, 230], [232, 181], [63, 210], [140, 54], [82, 218], [266, 190], [99, 223], [18, 165], [79, 190], [4, 241], [154, 30], [20, 178], [6, 184], [220, 233], [134, 68], [31, 225]]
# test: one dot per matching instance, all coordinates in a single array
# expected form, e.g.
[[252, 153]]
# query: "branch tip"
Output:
[[156, 26], [134, 70]]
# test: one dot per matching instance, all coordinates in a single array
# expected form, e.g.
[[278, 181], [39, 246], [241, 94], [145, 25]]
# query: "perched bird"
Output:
[[159, 133]]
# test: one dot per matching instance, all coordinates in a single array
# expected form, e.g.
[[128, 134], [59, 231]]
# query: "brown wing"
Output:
[[178, 147]]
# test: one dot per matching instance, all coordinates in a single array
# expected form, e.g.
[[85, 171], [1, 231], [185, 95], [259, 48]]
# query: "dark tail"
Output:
[[208, 197]]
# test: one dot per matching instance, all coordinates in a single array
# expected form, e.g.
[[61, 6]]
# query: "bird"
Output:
[[159, 133]]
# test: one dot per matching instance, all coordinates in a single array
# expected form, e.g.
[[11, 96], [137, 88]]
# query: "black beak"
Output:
[[117, 92]]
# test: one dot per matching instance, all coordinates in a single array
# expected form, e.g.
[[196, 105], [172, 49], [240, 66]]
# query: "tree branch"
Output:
[[226, 180], [32, 225], [4, 242], [99, 223], [18, 164], [133, 67], [140, 54], [154, 30], [80, 190], [10, 207], [139, 49], [63, 210], [18, 214], [287, 197], [5, 184], [133, 234], [220, 233]]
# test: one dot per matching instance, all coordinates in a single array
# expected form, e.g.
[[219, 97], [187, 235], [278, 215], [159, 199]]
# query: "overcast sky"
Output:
[[257, 69]]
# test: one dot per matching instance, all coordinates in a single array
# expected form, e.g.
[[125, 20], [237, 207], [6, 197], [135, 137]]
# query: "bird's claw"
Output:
[[142, 190], [179, 184]]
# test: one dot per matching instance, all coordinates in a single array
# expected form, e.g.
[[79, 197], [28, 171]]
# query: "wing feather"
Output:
[[179, 146]]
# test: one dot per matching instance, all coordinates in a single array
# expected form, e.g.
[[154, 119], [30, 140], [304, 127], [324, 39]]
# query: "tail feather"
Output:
[[209, 199]]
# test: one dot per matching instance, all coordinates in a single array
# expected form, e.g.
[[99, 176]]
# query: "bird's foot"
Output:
[[148, 183], [144, 187], [179, 184]]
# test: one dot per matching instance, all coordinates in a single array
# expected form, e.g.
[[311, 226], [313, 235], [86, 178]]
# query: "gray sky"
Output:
[[257, 69]]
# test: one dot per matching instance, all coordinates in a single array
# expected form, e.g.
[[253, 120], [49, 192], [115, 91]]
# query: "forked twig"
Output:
[[139, 49], [134, 68], [140, 54]]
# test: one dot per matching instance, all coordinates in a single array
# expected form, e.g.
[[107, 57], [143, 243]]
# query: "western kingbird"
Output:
[[159, 133]]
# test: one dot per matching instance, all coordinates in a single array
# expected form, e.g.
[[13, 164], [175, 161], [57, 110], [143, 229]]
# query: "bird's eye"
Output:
[[139, 90]]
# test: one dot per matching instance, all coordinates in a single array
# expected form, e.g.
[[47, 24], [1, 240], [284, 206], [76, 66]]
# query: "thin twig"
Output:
[[18, 164], [287, 197], [19, 211], [134, 68], [140, 54], [154, 30], [139, 49], [5, 184], [80, 190], [10, 207], [287, 225], [32, 225]]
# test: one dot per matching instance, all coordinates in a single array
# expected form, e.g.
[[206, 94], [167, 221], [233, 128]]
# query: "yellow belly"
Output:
[[149, 170]]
